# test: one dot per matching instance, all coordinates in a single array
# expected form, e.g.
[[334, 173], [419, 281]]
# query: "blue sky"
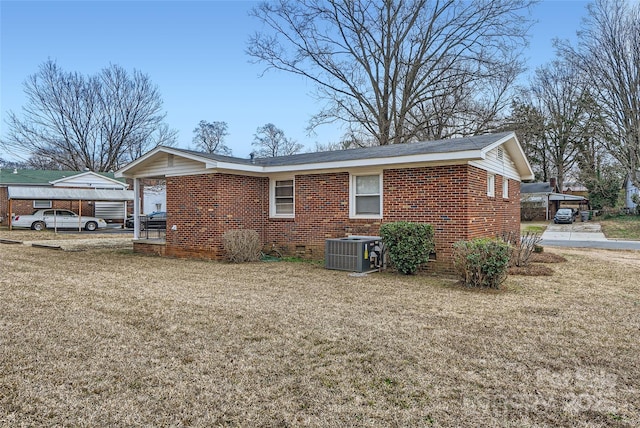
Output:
[[194, 51]]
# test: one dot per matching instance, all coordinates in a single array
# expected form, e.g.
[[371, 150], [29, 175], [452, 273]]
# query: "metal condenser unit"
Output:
[[354, 253]]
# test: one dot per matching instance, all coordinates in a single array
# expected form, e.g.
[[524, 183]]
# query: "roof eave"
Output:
[[468, 155], [128, 170], [510, 141]]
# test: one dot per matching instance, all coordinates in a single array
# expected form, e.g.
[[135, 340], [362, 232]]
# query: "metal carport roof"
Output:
[[68, 194], [565, 197]]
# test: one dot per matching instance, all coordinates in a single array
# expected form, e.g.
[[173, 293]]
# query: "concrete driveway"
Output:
[[583, 235]]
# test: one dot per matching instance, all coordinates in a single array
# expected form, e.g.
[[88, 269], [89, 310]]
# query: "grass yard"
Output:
[[107, 338], [621, 227], [533, 226]]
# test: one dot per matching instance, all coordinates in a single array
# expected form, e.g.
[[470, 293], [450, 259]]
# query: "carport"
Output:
[[558, 198], [68, 194]]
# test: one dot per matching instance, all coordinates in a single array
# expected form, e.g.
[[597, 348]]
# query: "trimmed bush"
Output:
[[241, 245], [408, 244], [482, 262]]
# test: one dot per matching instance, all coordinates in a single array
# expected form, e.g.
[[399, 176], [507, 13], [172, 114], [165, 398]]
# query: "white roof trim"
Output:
[[509, 141], [209, 163], [453, 157], [358, 163]]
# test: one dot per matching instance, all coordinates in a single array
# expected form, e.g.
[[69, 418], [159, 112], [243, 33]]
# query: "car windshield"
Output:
[[564, 211]]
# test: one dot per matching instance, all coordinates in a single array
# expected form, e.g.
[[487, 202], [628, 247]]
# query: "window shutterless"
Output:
[[366, 196], [282, 198]]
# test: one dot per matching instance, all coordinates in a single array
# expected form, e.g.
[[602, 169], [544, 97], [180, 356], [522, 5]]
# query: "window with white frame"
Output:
[[491, 184], [366, 196], [505, 187], [282, 198], [39, 204]]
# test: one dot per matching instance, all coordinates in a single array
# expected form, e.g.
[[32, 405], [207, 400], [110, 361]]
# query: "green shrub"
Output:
[[482, 262], [241, 245], [408, 244]]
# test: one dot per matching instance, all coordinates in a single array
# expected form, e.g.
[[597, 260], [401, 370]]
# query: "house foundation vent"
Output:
[[354, 254]]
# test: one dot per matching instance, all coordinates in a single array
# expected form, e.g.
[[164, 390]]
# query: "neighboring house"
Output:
[[93, 194], [629, 191], [540, 201], [575, 188], [465, 188]]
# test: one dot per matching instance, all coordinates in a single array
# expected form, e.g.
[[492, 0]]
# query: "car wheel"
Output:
[[91, 226], [38, 225]]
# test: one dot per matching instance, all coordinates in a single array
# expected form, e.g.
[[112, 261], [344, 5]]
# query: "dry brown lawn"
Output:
[[107, 338]]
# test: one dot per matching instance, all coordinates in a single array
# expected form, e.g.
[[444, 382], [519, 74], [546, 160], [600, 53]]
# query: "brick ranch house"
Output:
[[465, 188]]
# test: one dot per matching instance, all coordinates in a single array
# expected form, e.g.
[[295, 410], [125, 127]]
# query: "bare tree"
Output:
[[209, 137], [556, 120], [272, 142], [380, 65], [529, 125], [460, 106], [99, 122], [608, 53], [558, 91], [12, 164]]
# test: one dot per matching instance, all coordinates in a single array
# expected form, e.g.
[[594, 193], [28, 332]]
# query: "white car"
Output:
[[62, 219]]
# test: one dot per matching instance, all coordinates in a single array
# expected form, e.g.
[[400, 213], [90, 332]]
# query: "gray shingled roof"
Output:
[[420, 148], [535, 188]]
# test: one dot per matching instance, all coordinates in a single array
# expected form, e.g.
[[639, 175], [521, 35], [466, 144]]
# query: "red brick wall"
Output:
[[451, 198], [4, 208], [203, 207], [321, 212], [492, 216]]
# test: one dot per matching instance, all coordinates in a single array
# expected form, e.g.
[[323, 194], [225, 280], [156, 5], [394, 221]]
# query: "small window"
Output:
[[366, 196], [282, 198], [491, 185], [505, 187], [41, 204]]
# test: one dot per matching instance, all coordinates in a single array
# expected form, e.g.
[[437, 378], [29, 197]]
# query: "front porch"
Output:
[[154, 247]]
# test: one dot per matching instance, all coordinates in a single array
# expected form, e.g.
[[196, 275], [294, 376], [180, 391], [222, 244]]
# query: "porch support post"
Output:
[[136, 208], [80, 215], [547, 208]]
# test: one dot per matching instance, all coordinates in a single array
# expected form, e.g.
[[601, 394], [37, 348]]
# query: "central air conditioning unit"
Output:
[[354, 253]]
